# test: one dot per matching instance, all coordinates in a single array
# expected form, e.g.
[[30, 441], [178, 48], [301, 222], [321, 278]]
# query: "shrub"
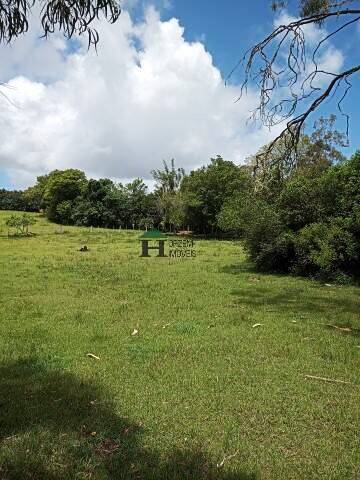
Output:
[[86, 213], [64, 212], [278, 255], [268, 242], [300, 202], [327, 250], [21, 223], [234, 216]]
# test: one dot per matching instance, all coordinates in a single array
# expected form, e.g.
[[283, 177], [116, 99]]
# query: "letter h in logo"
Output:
[[156, 236], [145, 248]]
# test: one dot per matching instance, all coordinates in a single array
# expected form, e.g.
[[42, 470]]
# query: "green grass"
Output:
[[197, 384]]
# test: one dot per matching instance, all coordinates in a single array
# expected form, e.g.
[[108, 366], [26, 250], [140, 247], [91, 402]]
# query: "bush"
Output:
[[21, 223], [234, 215], [300, 202], [311, 229], [278, 255], [86, 213], [269, 244], [64, 212], [327, 250]]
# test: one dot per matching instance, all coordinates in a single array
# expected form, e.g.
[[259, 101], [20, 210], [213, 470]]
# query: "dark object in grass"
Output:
[[107, 447], [84, 249]]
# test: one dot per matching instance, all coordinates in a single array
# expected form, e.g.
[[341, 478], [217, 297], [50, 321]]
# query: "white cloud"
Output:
[[328, 58], [30, 55], [147, 95]]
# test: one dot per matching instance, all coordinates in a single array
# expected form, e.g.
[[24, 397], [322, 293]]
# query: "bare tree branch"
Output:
[[265, 67], [291, 134]]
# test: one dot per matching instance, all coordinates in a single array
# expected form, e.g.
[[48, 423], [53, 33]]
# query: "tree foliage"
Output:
[[70, 17], [61, 186], [309, 226], [21, 223], [170, 202], [303, 219], [207, 188]]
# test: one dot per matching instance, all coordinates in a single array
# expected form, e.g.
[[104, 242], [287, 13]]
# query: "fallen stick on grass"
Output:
[[91, 355], [330, 380], [219, 465], [343, 329]]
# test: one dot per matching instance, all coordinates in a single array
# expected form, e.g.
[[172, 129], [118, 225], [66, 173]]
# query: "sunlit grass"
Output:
[[197, 384]]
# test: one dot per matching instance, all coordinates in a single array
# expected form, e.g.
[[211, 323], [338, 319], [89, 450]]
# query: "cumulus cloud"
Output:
[[147, 95]]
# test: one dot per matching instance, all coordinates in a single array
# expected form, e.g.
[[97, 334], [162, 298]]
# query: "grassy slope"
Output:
[[197, 383]]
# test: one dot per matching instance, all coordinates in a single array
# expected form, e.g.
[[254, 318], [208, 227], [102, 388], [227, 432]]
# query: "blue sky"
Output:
[[229, 27], [5, 182], [57, 126]]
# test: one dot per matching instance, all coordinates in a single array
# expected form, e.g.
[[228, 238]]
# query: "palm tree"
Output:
[[168, 183], [169, 179]]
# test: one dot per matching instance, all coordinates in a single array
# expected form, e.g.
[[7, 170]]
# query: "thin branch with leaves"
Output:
[[70, 17]]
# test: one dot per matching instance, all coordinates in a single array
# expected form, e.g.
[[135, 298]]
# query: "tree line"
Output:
[[178, 201], [301, 217]]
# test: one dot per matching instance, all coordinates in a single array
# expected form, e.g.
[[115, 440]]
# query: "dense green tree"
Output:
[[341, 187], [32, 198], [235, 213], [135, 196], [99, 204], [64, 211], [11, 200], [88, 214], [328, 249], [19, 200], [207, 189], [152, 214], [300, 202], [172, 210], [62, 185], [313, 228]]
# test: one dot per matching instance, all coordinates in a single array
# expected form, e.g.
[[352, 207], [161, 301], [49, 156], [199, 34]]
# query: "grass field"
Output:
[[198, 393]]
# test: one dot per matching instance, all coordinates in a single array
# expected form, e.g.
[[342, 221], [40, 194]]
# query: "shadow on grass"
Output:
[[243, 267], [293, 298], [53, 426]]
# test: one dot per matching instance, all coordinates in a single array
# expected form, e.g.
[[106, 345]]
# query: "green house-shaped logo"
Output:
[[153, 235], [156, 236]]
